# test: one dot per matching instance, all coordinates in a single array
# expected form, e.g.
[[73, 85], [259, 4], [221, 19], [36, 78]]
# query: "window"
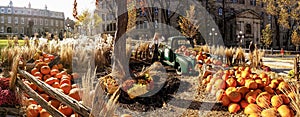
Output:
[[51, 22], [248, 29], [2, 10], [35, 21], [253, 2], [219, 0], [22, 30], [41, 21], [16, 30], [9, 10], [2, 29], [2, 19], [231, 11], [22, 20], [242, 1], [46, 22], [220, 11], [16, 20], [156, 11], [8, 19], [56, 22], [234, 1]]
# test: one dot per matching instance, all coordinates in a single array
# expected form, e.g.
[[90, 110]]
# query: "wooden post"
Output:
[[74, 104], [53, 111]]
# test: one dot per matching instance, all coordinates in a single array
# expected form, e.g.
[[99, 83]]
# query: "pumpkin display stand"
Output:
[[41, 83]]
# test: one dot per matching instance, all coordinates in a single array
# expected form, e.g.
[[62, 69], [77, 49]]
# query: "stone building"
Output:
[[27, 21], [247, 17]]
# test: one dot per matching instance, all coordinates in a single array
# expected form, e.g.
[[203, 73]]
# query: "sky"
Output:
[[65, 6]]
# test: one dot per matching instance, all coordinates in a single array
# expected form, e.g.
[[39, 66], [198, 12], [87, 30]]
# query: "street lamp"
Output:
[[213, 34], [68, 26], [240, 37]]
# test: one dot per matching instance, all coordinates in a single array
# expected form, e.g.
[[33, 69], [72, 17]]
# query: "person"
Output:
[[156, 41], [282, 52], [60, 35]]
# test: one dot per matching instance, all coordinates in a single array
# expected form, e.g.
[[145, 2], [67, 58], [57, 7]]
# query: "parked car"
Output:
[[170, 55]]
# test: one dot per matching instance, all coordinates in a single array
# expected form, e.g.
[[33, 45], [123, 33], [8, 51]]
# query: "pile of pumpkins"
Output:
[[256, 94], [56, 77]]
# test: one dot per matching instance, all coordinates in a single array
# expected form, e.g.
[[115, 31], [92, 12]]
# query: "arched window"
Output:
[[242, 1], [220, 11], [248, 29]]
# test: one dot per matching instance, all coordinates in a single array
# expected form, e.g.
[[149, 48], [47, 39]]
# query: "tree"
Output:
[[285, 14], [267, 36], [84, 20], [296, 39], [188, 23]]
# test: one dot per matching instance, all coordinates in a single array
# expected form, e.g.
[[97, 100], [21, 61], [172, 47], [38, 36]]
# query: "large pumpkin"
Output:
[[263, 99]]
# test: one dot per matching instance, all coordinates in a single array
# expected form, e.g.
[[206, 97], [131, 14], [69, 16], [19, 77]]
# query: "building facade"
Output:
[[247, 19], [21, 21]]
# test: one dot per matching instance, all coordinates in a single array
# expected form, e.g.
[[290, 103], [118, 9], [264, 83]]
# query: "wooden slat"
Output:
[[50, 109], [74, 104]]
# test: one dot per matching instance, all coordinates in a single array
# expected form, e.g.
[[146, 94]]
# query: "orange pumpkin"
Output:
[[270, 112], [45, 70], [40, 64], [234, 96], [30, 101], [225, 100], [60, 66], [285, 111], [231, 82], [251, 96], [44, 113], [263, 100], [53, 72], [243, 90], [62, 81], [58, 75], [244, 103], [51, 80], [75, 86], [55, 85], [283, 86], [31, 85], [260, 83], [34, 70], [38, 74], [32, 111], [47, 60], [269, 89], [245, 74], [65, 110], [263, 75], [46, 77], [66, 88], [276, 101], [74, 93], [241, 81], [254, 115], [45, 97], [74, 115], [234, 108], [54, 67], [55, 103], [252, 108], [285, 99], [229, 90], [251, 84]]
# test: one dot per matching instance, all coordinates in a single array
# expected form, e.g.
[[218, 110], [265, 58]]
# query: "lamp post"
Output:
[[68, 26], [213, 34], [240, 37]]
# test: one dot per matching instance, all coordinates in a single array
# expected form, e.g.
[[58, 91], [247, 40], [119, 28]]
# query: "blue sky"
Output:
[[65, 6]]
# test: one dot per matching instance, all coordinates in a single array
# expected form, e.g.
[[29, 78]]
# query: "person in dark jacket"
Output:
[[251, 47]]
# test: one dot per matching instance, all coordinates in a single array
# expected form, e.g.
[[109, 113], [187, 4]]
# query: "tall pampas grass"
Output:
[[293, 92]]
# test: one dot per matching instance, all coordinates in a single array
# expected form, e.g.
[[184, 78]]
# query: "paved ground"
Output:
[[279, 64]]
